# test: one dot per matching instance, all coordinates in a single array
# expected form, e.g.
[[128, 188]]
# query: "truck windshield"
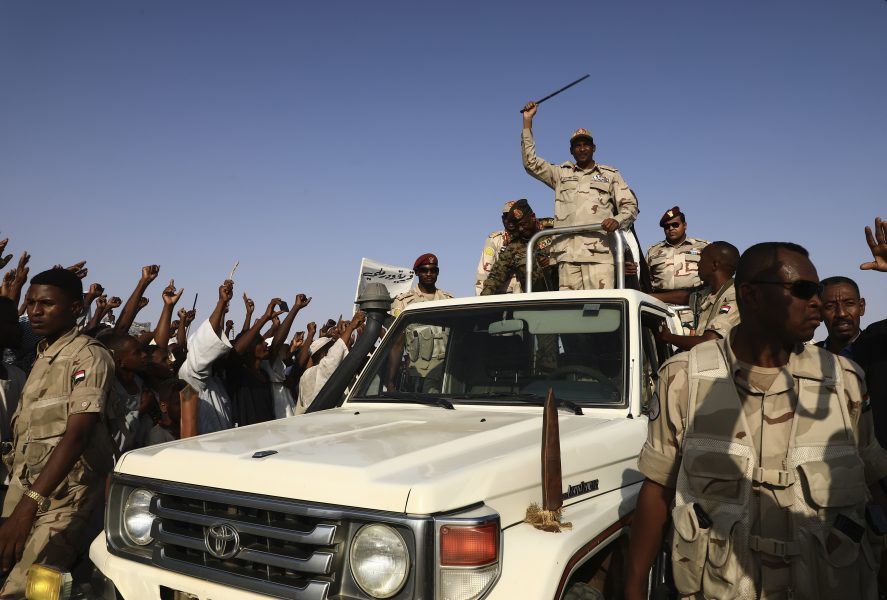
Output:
[[501, 354]]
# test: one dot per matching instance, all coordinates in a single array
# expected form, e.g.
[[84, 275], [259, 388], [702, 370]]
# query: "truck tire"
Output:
[[583, 591]]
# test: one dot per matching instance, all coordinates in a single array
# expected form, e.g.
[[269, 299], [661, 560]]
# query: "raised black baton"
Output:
[[553, 94]]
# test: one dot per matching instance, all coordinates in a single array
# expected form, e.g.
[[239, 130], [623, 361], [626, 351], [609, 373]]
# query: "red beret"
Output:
[[426, 259], [671, 213]]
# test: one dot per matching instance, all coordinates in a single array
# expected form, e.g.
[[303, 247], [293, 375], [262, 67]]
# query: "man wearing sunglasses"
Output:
[[762, 453], [716, 306], [585, 193], [674, 262], [425, 345]]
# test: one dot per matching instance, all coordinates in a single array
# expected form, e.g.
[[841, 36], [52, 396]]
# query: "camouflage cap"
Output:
[[507, 206], [519, 210], [671, 213], [579, 134]]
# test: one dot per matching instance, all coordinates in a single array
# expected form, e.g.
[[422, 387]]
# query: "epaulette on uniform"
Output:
[[852, 367], [496, 234], [608, 168]]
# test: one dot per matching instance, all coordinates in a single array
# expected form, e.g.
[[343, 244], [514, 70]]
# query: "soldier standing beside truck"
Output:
[[426, 344], [585, 193], [61, 450], [762, 451]]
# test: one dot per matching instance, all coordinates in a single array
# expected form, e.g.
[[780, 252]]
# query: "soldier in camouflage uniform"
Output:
[[512, 261], [762, 451], [493, 246], [61, 450], [585, 193]]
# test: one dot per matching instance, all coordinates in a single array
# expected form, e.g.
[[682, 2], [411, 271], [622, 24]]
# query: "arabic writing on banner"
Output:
[[397, 279]]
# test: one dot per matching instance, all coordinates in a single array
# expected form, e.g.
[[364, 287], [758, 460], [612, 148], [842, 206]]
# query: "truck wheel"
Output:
[[583, 591]]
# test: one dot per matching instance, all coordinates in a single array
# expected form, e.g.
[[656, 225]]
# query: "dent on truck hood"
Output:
[[419, 461]]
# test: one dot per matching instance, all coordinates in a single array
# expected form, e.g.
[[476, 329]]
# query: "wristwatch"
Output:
[[42, 501]]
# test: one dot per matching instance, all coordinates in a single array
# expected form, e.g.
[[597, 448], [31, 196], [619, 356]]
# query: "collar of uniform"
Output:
[[686, 240], [784, 380], [575, 167], [48, 352]]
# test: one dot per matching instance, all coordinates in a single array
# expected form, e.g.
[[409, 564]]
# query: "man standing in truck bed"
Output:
[[585, 193]]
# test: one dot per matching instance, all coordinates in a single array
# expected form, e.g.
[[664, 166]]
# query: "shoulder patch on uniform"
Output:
[[78, 376], [866, 403], [496, 234], [447, 295], [488, 251], [608, 168], [725, 308]]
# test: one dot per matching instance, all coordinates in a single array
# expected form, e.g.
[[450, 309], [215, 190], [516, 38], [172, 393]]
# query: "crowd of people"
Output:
[[78, 389]]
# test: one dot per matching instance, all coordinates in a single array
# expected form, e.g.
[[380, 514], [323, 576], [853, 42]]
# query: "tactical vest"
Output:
[[426, 346], [831, 553]]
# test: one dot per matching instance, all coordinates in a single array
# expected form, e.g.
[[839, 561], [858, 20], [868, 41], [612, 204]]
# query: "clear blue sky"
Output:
[[297, 137]]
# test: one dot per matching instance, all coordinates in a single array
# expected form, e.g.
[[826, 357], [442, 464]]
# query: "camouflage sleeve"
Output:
[[90, 380], [660, 457], [625, 201], [539, 168], [501, 272], [874, 457]]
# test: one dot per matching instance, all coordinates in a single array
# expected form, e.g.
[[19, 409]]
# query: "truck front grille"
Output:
[[284, 549]]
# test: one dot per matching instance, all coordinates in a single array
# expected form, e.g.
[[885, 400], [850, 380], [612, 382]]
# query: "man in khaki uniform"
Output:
[[585, 193], [761, 449], [674, 262], [425, 344], [61, 452], [716, 304]]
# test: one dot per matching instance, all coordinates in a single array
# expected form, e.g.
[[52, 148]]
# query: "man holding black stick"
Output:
[[585, 193]]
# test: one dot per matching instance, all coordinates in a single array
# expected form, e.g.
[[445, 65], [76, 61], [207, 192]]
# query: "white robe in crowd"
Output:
[[314, 377], [204, 348]]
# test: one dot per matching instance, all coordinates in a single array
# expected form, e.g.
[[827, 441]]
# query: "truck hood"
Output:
[[402, 459]]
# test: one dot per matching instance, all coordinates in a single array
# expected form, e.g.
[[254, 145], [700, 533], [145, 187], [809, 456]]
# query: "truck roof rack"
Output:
[[617, 247]]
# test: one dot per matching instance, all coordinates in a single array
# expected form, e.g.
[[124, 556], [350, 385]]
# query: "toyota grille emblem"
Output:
[[221, 540]]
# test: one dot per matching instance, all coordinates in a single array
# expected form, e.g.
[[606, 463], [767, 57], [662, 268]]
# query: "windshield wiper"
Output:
[[427, 399], [534, 399]]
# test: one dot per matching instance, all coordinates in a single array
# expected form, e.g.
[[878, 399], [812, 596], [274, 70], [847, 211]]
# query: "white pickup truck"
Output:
[[416, 486]]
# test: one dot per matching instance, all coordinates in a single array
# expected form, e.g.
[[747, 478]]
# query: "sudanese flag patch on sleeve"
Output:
[[725, 308], [78, 376]]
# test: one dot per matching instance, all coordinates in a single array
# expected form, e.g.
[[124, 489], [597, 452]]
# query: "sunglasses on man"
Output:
[[427, 270], [668, 226], [802, 288]]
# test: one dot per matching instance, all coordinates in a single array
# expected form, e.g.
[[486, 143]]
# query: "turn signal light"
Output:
[[469, 546]]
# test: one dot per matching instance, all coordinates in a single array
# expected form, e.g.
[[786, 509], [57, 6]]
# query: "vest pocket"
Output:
[[689, 546], [840, 481], [839, 566], [715, 476]]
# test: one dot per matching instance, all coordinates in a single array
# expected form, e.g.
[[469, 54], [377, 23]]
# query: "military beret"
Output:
[[426, 259], [581, 133], [519, 210], [671, 213]]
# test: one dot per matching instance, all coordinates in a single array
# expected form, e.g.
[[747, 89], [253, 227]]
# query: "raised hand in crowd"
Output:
[[79, 269], [15, 279], [170, 297], [4, 260], [347, 330], [95, 290], [229, 326], [186, 317], [246, 342], [305, 350], [250, 306], [226, 293], [878, 245], [136, 300], [283, 331]]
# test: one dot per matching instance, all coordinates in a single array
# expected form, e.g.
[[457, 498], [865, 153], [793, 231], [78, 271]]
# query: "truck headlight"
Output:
[[137, 517], [379, 560]]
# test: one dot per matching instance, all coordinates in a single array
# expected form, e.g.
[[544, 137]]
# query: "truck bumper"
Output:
[[135, 581]]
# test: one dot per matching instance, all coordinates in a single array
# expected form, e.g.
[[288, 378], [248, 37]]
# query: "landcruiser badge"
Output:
[[221, 540]]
